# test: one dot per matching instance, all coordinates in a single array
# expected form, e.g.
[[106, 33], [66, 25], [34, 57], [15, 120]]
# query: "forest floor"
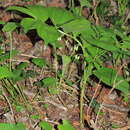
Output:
[[102, 110]]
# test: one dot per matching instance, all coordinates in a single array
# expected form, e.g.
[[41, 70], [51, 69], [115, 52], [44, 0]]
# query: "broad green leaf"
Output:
[[9, 27], [65, 126], [40, 12], [47, 33], [89, 33], [76, 25], [59, 15], [7, 126], [99, 37], [49, 81], [4, 72], [29, 23], [39, 62], [36, 11], [104, 30], [106, 44], [92, 50], [22, 10], [111, 78], [44, 125]]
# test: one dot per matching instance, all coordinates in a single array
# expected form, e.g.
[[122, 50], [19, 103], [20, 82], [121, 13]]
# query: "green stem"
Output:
[[82, 89], [11, 47], [87, 73]]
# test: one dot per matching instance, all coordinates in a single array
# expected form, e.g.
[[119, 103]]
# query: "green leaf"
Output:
[[44, 125], [48, 33], [36, 11], [40, 12], [92, 50], [65, 126], [19, 108], [9, 27], [34, 117], [53, 90], [77, 25], [4, 72], [126, 45], [104, 44], [39, 62], [29, 23], [101, 38], [111, 78], [22, 65], [90, 33], [59, 15], [49, 81], [16, 75], [22, 10], [7, 126], [66, 59]]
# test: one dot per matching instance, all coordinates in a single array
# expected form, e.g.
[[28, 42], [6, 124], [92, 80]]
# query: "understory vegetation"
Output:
[[65, 65]]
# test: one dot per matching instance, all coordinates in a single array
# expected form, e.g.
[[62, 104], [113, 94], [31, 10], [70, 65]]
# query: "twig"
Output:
[[92, 100], [55, 104], [11, 109], [116, 107]]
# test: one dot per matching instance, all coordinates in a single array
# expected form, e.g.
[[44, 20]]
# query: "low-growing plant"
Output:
[[6, 126], [65, 126], [96, 43]]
